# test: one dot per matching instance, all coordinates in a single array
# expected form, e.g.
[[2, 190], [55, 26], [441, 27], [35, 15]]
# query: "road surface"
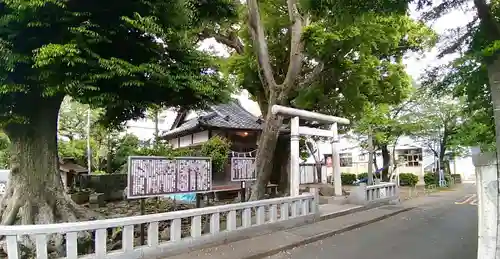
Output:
[[445, 227]]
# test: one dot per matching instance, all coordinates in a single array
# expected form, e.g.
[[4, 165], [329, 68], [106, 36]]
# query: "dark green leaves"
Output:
[[120, 55]]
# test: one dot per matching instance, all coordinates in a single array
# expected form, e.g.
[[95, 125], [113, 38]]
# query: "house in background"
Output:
[[229, 120], [70, 169], [354, 159]]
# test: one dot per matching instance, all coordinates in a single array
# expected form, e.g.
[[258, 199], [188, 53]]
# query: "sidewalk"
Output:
[[265, 245]]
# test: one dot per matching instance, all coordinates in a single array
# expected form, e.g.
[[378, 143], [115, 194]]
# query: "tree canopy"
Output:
[[331, 57], [121, 56]]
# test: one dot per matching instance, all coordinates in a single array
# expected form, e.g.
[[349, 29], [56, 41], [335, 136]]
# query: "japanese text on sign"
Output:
[[155, 176], [243, 169]]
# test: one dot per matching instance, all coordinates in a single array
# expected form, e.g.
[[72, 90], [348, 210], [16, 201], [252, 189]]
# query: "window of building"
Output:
[[411, 157], [345, 159], [362, 157]]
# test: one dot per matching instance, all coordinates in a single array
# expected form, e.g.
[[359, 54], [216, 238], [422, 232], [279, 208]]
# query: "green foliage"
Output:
[[430, 178], [218, 149], [4, 151], [364, 62], [121, 57], [362, 56], [466, 76], [387, 123], [348, 178], [76, 149], [126, 146], [73, 118], [408, 179], [362, 176]]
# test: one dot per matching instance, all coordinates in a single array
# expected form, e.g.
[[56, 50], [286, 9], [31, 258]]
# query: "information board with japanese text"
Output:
[[243, 169], [157, 176]]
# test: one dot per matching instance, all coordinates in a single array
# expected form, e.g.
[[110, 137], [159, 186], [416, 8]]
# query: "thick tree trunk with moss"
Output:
[[265, 154], [35, 193]]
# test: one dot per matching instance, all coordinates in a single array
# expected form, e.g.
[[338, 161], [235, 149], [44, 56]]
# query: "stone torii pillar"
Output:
[[296, 130], [488, 246]]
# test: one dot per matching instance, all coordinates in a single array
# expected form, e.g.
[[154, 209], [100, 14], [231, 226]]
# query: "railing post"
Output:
[[315, 203], [294, 157], [487, 192]]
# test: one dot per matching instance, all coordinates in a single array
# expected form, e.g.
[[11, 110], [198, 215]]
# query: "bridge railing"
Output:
[[205, 223]]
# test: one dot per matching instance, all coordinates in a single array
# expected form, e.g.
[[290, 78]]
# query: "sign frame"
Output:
[[176, 161], [234, 179]]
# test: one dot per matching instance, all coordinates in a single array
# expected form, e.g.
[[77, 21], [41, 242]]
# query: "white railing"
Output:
[[178, 227], [364, 194], [380, 191]]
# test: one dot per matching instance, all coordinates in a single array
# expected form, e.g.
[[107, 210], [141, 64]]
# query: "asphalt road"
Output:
[[443, 227]]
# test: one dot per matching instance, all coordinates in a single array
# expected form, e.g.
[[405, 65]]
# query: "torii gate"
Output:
[[297, 130]]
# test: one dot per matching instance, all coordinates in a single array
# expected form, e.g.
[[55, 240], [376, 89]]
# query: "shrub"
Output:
[[430, 178], [362, 176], [348, 179], [218, 149], [365, 175], [408, 179]]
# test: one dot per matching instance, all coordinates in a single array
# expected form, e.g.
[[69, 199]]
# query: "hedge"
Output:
[[362, 176], [347, 178], [408, 179], [430, 179], [365, 175]]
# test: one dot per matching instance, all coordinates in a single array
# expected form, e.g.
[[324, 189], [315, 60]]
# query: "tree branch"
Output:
[[457, 43], [312, 77], [232, 40], [296, 44], [259, 39], [484, 13]]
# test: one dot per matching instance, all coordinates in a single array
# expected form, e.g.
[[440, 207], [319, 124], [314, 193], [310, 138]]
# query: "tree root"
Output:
[[27, 210]]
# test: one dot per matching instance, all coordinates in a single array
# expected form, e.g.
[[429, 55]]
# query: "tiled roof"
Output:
[[69, 164], [229, 115]]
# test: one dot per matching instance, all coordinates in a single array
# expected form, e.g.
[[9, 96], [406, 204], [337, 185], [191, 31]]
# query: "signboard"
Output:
[[243, 169], [4, 178], [155, 176]]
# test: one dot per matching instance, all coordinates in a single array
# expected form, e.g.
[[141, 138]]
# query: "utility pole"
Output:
[[370, 156]]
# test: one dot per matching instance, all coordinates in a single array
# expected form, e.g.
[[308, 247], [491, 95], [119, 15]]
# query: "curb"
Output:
[[324, 235], [352, 210]]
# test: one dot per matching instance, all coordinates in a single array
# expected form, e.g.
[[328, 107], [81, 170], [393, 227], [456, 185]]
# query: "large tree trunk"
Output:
[[265, 154], [386, 160], [281, 165], [494, 80], [35, 193]]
